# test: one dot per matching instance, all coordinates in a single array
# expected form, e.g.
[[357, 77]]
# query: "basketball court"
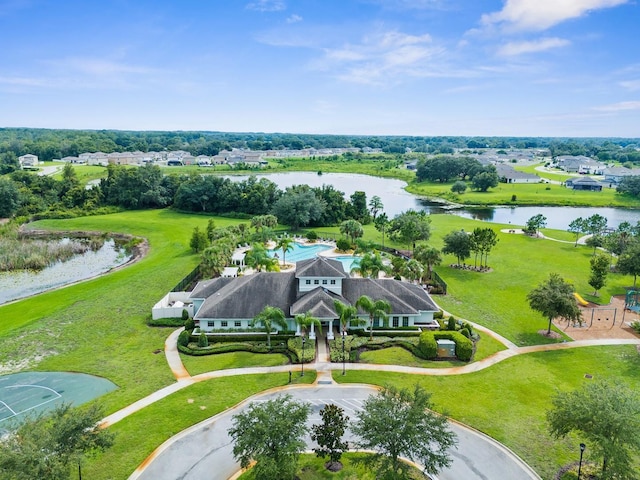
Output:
[[31, 393]]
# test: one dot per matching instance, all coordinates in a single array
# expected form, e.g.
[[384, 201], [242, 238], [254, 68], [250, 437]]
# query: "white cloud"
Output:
[[632, 85], [266, 5], [99, 67], [294, 18], [537, 15], [381, 58], [619, 107], [540, 45]]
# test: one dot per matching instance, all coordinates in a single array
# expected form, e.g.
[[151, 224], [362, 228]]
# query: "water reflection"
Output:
[[396, 200], [21, 284]]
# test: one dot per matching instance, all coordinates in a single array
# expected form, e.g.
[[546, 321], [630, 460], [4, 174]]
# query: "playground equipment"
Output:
[[631, 301], [604, 316], [580, 300]]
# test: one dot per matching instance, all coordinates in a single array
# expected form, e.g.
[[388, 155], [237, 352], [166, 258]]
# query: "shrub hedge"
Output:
[[428, 347], [166, 322]]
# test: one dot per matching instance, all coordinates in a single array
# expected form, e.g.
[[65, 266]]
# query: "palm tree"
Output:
[[268, 317], [375, 206], [413, 270], [428, 256], [286, 244], [370, 266], [258, 257], [375, 309], [346, 314], [352, 228], [305, 320]]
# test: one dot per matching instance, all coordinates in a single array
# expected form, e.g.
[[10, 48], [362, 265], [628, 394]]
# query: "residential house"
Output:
[[508, 174], [614, 175], [580, 164], [28, 161], [584, 183]]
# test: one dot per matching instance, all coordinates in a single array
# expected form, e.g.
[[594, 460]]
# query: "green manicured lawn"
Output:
[[311, 467], [486, 347], [99, 326], [498, 299], [526, 194], [508, 401], [400, 356], [86, 173], [141, 433], [222, 361], [557, 175]]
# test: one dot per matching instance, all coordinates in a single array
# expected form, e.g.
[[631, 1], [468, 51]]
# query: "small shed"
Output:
[[446, 348]]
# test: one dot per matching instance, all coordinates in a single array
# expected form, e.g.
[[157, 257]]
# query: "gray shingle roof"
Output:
[[319, 302], [320, 267], [245, 297], [402, 299]]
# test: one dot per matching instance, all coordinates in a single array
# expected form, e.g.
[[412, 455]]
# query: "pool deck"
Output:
[[303, 241]]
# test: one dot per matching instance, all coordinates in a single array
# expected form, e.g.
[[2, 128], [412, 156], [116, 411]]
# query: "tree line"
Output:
[[25, 194], [56, 143]]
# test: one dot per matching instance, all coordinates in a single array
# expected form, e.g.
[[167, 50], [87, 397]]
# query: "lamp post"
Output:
[[304, 340], [582, 447], [344, 334]]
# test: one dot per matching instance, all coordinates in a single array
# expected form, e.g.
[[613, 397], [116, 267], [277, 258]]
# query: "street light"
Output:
[[304, 340], [344, 334], [582, 447]]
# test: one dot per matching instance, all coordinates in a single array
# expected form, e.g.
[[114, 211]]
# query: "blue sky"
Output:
[[387, 67]]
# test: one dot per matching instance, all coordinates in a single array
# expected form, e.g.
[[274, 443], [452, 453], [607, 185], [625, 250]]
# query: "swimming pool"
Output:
[[348, 262], [300, 252]]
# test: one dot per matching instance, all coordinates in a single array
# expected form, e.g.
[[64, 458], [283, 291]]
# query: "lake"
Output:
[[21, 284], [396, 200]]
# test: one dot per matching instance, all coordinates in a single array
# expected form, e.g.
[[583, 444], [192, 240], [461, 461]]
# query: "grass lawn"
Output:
[[498, 299], [99, 326], [486, 347], [526, 194], [222, 361], [85, 173], [311, 467], [141, 433], [508, 401], [556, 175]]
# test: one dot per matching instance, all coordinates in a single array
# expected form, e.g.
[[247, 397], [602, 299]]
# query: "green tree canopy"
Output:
[[298, 208], [48, 446], [399, 423], [352, 228], [409, 227], [607, 417], [555, 298], [271, 433], [458, 243], [328, 434]]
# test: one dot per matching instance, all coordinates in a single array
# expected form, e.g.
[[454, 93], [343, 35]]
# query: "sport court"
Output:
[[31, 393]]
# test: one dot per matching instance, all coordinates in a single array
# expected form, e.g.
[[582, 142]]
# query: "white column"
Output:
[[330, 332], [312, 334]]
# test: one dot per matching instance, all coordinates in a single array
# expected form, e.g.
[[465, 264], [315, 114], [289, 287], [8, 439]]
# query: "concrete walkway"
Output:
[[324, 367]]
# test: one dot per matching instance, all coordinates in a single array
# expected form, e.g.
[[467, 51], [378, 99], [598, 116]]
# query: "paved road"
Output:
[[204, 451]]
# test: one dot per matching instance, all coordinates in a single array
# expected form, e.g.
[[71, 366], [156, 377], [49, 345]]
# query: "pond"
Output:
[[21, 284], [396, 200]]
